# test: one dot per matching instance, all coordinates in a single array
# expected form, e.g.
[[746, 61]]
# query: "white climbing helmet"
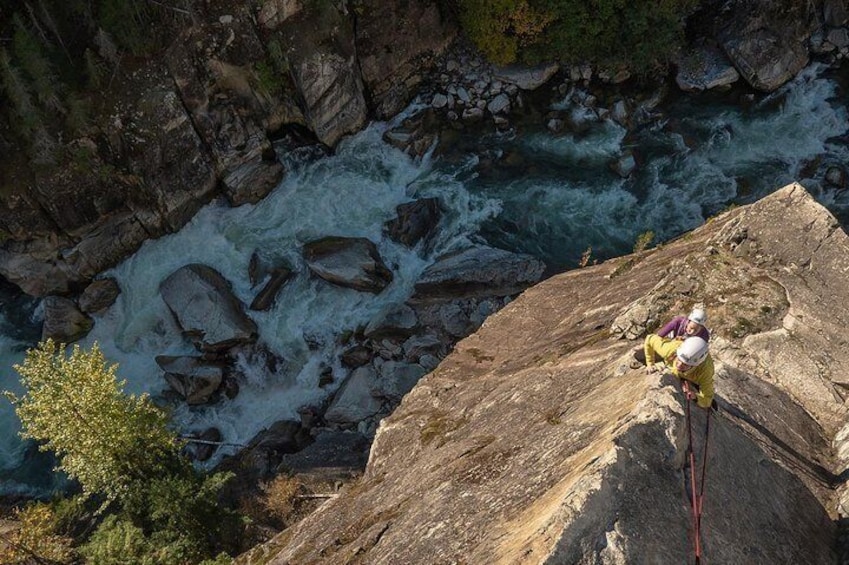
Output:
[[698, 315], [693, 351]]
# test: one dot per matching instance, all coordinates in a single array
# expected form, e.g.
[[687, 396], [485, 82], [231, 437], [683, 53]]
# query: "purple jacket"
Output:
[[676, 327]]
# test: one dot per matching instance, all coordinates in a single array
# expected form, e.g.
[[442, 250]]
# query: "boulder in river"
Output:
[[415, 222], [478, 271], [352, 262], [195, 379], [206, 309], [63, 320]]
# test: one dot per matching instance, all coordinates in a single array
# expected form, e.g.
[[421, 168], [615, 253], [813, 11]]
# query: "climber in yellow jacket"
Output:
[[689, 359]]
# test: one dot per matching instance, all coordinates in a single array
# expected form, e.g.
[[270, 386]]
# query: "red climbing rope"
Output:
[[696, 500]]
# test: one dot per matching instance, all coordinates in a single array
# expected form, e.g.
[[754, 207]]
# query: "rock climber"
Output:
[[689, 360], [686, 326], [679, 327]]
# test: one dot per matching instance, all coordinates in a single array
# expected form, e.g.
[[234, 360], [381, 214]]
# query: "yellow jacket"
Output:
[[701, 375]]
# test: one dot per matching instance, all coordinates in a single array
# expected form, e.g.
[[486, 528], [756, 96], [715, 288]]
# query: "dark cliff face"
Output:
[[194, 120], [534, 441]]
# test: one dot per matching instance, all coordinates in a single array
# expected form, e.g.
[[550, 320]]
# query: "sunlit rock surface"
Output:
[[534, 442]]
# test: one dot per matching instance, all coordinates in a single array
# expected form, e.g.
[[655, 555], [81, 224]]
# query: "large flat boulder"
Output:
[[206, 309], [352, 262], [477, 271]]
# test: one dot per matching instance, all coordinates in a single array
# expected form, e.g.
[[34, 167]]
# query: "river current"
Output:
[[525, 190]]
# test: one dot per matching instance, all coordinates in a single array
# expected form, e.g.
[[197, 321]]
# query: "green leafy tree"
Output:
[[501, 27], [161, 510], [75, 406]]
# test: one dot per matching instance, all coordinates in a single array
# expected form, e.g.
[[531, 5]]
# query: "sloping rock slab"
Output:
[[534, 443]]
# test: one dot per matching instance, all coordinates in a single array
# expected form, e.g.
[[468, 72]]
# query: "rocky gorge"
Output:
[[207, 127], [203, 124]]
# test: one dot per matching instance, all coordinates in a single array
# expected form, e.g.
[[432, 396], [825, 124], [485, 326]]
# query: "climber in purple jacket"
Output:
[[680, 327], [686, 326]]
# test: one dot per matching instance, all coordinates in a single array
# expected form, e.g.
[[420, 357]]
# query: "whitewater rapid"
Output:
[[553, 196]]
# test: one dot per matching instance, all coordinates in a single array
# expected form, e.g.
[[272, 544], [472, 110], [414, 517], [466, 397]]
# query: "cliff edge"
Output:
[[534, 442]]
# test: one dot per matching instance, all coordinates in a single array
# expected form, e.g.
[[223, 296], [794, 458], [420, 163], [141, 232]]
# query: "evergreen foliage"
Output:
[[160, 510], [95, 70], [643, 241], [118, 542], [77, 119], [126, 21], [642, 35], [59, 51], [17, 91], [182, 514], [35, 64]]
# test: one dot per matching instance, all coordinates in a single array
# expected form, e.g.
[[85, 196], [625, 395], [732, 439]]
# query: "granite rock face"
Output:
[[396, 43], [766, 40], [195, 122], [534, 442]]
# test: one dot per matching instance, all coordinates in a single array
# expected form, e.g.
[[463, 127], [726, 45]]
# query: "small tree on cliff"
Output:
[[119, 445], [75, 406]]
